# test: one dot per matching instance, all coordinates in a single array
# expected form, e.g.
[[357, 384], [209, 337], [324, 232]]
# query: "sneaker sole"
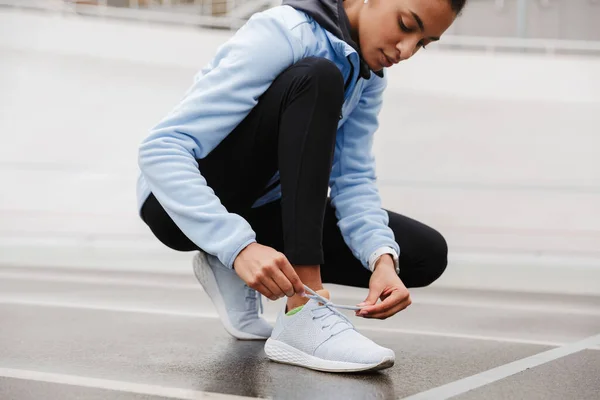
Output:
[[208, 281], [284, 353]]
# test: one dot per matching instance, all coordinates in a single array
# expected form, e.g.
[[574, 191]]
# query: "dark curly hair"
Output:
[[457, 5]]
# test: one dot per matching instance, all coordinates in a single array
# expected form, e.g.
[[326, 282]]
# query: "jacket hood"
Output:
[[330, 14]]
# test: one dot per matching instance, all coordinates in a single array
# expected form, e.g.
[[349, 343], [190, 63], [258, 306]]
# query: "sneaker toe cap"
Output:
[[355, 349]]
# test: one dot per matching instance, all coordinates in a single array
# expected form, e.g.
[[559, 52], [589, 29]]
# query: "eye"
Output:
[[404, 27], [421, 44]]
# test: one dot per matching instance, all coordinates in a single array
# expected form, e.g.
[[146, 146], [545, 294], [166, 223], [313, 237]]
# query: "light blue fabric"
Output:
[[222, 94]]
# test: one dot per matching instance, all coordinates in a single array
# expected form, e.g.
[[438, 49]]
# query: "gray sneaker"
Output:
[[237, 304], [318, 336]]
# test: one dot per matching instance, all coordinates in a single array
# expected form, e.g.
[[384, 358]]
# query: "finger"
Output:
[[283, 282], [272, 286], [371, 298], [393, 311], [292, 276], [390, 302], [262, 289]]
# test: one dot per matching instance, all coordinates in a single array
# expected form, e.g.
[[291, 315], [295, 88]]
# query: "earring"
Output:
[[366, 1]]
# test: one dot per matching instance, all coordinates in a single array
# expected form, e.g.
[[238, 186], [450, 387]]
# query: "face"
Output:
[[390, 31]]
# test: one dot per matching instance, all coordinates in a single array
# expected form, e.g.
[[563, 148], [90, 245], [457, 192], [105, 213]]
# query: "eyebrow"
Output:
[[422, 27]]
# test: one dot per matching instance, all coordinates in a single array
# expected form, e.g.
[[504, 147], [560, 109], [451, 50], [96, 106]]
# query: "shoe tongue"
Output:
[[330, 315]]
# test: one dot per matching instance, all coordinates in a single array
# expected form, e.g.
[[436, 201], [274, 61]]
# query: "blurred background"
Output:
[[492, 136]]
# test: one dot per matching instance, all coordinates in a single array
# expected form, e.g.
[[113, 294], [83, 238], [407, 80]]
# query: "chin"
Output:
[[375, 66]]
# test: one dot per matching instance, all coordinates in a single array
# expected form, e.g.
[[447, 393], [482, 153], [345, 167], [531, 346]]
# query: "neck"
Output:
[[352, 8]]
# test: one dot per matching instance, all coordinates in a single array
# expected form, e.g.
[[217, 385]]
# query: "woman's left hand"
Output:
[[387, 286]]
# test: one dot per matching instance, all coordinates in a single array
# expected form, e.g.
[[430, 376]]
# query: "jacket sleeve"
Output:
[[222, 94], [354, 195]]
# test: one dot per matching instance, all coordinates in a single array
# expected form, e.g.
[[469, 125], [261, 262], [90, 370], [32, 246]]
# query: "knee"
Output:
[[438, 259], [325, 74], [435, 262], [163, 227], [322, 69]]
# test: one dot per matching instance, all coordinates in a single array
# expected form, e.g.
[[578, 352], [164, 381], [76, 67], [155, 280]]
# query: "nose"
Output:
[[406, 50]]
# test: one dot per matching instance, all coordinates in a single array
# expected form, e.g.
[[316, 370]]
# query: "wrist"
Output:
[[241, 255], [385, 260], [380, 252]]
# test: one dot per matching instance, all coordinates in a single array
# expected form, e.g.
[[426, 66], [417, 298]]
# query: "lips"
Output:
[[386, 61]]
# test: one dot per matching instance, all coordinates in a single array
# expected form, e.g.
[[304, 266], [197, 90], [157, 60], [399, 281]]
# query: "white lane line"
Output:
[[495, 374], [455, 335], [478, 303], [120, 386], [107, 307], [417, 300], [96, 280], [271, 319]]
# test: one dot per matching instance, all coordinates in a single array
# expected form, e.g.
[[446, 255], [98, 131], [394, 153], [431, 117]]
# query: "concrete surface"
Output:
[[195, 353], [575, 376], [550, 319], [161, 330]]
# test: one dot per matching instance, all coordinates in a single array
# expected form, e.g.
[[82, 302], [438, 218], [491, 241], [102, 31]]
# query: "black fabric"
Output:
[[331, 15], [292, 129]]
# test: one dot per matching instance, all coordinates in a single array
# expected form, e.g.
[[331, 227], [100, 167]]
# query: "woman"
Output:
[[240, 170]]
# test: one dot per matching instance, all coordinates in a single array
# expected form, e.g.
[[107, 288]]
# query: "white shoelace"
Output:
[[260, 304], [330, 306], [254, 295]]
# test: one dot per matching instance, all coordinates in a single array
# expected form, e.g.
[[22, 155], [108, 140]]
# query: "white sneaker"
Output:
[[236, 303], [319, 337]]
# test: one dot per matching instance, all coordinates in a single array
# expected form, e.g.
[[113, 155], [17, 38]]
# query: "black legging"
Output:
[[292, 130]]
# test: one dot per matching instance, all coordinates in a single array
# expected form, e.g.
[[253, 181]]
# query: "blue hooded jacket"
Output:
[[223, 94]]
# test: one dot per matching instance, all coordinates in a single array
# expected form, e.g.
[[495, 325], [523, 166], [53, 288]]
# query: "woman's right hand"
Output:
[[268, 271]]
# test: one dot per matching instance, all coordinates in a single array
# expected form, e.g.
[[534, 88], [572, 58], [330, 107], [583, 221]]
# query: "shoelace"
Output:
[[327, 304], [260, 304], [254, 295]]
